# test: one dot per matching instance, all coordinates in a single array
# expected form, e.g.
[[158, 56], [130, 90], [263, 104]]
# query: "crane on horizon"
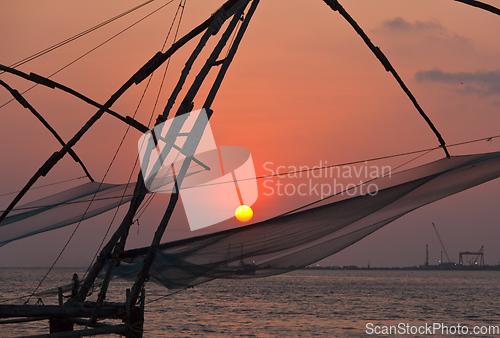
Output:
[[441, 242]]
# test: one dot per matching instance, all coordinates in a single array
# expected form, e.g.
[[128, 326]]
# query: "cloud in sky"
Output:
[[481, 82], [401, 25], [418, 32]]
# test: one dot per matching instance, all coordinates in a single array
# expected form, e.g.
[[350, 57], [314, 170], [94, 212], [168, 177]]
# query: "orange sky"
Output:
[[302, 89]]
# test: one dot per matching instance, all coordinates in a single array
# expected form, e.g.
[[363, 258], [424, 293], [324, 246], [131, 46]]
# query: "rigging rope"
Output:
[[137, 78], [474, 3], [428, 150], [112, 161], [356, 186], [150, 198], [128, 128], [75, 37], [22, 101], [93, 49], [46, 185]]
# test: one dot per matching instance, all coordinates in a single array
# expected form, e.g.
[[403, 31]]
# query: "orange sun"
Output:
[[243, 213]]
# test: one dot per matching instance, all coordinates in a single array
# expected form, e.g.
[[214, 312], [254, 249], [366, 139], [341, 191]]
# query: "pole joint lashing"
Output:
[[218, 62], [20, 99], [334, 4], [383, 59], [443, 146], [148, 68], [160, 119], [42, 80], [44, 170], [217, 22], [136, 124]]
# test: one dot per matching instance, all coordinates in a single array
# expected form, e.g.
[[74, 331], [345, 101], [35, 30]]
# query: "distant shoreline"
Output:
[[446, 266]]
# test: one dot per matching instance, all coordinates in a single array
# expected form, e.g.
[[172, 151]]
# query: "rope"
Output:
[[130, 176], [110, 165], [75, 37], [354, 187], [93, 49], [128, 128], [165, 296], [425, 152], [46, 185], [291, 172], [232, 38], [150, 198]]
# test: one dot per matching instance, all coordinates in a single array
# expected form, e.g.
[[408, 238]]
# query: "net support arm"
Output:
[[229, 58], [187, 103], [336, 6], [193, 90], [19, 98], [155, 62], [117, 241], [481, 5], [53, 84]]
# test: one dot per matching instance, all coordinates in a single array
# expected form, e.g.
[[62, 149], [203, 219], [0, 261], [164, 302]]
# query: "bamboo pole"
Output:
[[118, 329], [22, 101], [174, 197], [481, 5], [13, 311], [144, 72], [122, 231], [229, 58], [139, 194], [22, 320], [336, 6], [118, 239], [53, 84]]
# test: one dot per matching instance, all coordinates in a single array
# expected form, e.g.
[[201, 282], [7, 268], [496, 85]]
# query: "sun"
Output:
[[243, 213]]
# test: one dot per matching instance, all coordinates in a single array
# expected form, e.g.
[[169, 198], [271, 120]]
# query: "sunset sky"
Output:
[[303, 90]]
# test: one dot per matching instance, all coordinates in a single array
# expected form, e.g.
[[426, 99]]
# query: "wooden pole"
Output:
[[118, 329], [19, 98], [140, 189], [148, 260], [53, 84], [336, 6], [229, 58], [144, 72], [481, 5], [13, 311]]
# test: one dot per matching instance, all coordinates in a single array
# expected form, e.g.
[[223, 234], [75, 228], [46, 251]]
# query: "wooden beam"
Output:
[[11, 311], [119, 329]]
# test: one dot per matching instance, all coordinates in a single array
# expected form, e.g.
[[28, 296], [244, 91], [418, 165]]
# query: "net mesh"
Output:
[[296, 240], [266, 248], [62, 209]]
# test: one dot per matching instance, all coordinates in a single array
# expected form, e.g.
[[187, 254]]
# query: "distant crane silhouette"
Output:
[[441, 242], [478, 257], [475, 259]]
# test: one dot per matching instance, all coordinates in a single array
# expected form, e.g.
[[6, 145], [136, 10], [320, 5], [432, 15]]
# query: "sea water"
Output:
[[303, 303]]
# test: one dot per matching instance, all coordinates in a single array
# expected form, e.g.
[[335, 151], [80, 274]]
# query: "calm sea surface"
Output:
[[303, 303]]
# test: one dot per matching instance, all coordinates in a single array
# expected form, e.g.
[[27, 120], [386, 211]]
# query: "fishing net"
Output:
[[266, 248], [62, 209], [298, 239], [72, 206]]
